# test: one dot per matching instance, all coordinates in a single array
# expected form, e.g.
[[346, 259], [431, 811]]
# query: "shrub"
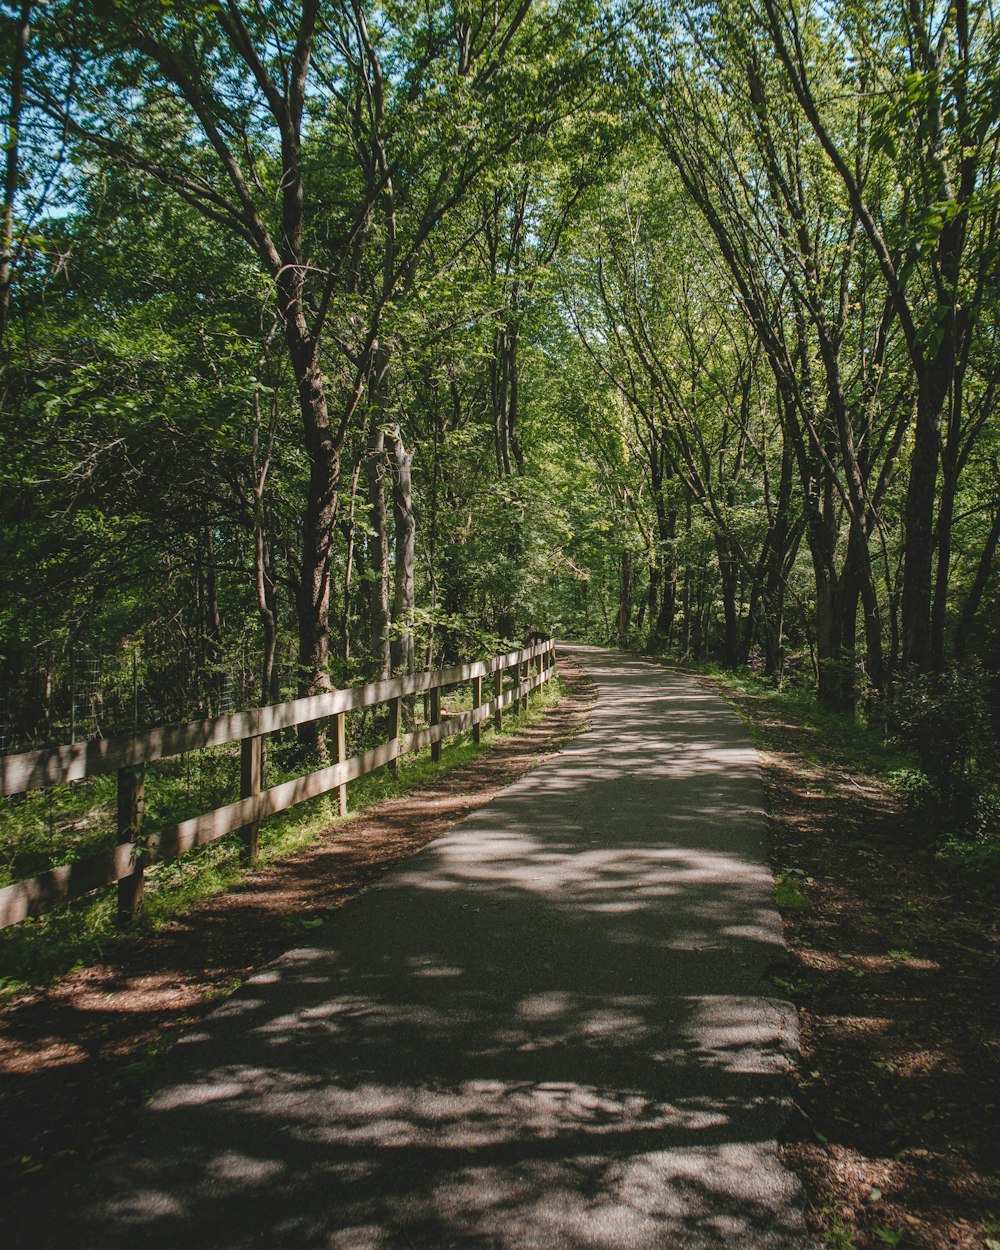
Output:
[[943, 720]]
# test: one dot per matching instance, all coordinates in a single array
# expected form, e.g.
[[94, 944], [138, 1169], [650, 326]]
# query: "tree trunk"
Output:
[[835, 680], [751, 621], [652, 597], [213, 621], [731, 631], [849, 595], [267, 609], [782, 539], [269, 687], [12, 163], [668, 574], [264, 586], [978, 587], [865, 590], [831, 684], [401, 650], [700, 632], [350, 554], [686, 603], [624, 621], [939, 610], [312, 599], [933, 382], [378, 561]]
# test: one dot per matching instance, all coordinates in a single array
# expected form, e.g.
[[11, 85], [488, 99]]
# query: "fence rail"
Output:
[[129, 754]]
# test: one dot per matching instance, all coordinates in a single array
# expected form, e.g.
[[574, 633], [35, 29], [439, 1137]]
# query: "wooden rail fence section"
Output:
[[129, 755]]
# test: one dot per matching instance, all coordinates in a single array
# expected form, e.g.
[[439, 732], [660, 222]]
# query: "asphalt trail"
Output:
[[547, 1031]]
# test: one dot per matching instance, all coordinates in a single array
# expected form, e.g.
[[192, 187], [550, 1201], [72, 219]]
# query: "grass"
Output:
[[39, 831], [787, 894], [977, 858], [59, 825], [836, 1235]]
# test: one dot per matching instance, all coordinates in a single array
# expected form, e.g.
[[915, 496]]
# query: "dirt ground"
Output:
[[895, 966], [76, 1058]]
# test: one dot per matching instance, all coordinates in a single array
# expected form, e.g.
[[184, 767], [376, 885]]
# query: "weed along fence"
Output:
[[514, 676]]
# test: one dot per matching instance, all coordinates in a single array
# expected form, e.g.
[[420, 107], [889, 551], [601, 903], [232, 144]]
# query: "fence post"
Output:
[[436, 720], [131, 800], [340, 741], [477, 702], [497, 692], [251, 779], [395, 727]]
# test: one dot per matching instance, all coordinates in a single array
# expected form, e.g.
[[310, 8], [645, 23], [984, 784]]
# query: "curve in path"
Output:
[[545, 1032]]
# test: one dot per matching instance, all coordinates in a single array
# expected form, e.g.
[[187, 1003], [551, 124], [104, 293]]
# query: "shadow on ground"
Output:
[[547, 1030]]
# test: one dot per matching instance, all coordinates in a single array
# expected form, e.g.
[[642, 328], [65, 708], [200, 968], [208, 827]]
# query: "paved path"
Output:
[[545, 1032]]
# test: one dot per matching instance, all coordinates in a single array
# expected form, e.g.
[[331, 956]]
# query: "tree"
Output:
[[934, 234], [311, 153]]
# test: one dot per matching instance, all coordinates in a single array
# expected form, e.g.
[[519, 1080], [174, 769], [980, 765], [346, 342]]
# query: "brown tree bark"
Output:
[[728, 571], [379, 619], [213, 623], [974, 598], [405, 535], [12, 162], [623, 621], [918, 525]]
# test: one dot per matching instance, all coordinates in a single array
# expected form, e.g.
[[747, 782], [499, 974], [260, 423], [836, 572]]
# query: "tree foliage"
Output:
[[337, 340]]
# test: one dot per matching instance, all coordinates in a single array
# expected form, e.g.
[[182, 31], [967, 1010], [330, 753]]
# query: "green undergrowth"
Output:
[[787, 894], [58, 825], [38, 950]]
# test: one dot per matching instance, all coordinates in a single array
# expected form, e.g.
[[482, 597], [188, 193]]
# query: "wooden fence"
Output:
[[130, 753]]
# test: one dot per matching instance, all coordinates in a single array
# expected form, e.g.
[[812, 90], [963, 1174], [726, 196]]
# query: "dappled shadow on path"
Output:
[[547, 1030], [64, 1050]]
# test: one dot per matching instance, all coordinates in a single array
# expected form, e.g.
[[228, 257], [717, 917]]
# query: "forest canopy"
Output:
[[339, 340]]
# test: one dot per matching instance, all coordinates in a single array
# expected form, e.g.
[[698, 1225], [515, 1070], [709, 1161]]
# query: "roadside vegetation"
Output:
[[893, 926]]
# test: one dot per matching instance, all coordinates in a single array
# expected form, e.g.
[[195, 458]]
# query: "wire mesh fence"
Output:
[[99, 695]]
